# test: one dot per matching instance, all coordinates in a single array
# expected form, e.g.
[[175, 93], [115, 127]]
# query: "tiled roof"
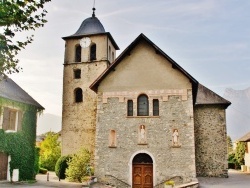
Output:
[[10, 90], [245, 138], [206, 96]]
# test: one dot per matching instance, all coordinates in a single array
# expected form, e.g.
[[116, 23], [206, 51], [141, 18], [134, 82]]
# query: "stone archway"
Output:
[[142, 171]]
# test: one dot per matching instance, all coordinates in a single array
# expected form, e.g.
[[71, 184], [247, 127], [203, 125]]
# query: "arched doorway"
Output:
[[142, 171]]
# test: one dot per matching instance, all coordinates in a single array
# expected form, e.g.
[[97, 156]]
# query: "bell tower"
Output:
[[88, 53]]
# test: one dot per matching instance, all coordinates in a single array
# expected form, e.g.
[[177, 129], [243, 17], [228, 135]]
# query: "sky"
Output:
[[210, 39]]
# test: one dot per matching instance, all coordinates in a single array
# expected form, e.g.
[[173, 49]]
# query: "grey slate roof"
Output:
[[10, 90], [245, 138], [90, 25], [206, 96]]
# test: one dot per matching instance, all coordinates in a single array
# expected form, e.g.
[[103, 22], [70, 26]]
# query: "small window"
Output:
[[155, 107], [113, 56], [12, 119], [142, 105], [110, 53], [78, 95], [78, 53], [130, 108], [77, 73], [93, 52]]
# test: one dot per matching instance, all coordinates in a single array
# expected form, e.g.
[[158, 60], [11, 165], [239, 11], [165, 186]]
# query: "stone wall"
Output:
[[210, 140], [79, 118], [168, 161]]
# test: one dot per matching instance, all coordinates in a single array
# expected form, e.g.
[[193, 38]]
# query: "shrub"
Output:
[[61, 166], [231, 165], [43, 171], [37, 156], [79, 166]]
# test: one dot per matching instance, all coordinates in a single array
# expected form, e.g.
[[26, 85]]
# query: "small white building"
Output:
[[246, 138]]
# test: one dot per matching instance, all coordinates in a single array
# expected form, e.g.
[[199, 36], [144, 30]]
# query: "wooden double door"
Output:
[[142, 175], [3, 166]]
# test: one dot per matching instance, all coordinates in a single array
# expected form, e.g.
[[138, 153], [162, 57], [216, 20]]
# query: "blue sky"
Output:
[[210, 39]]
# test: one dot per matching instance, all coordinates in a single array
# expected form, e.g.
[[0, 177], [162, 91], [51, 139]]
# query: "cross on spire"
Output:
[[93, 14]]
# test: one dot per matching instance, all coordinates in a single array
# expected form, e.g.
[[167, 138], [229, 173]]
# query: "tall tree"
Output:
[[50, 151], [17, 16], [229, 145], [240, 153]]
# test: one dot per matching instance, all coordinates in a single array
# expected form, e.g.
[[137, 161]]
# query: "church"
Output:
[[145, 118]]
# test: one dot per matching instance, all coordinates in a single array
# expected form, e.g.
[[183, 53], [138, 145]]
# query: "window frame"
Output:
[[78, 53], [142, 105], [77, 73], [11, 119], [156, 107], [130, 108], [93, 52], [78, 96]]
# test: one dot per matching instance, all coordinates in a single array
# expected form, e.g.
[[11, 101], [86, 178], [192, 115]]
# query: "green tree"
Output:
[[50, 151], [229, 145], [79, 166], [240, 153], [17, 16]]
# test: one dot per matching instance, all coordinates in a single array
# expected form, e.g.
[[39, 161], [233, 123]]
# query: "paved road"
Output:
[[236, 179], [42, 182]]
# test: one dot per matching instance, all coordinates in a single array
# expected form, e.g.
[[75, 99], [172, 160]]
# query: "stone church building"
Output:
[[146, 119]]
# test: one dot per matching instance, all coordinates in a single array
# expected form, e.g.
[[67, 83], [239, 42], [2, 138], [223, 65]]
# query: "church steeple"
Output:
[[88, 52]]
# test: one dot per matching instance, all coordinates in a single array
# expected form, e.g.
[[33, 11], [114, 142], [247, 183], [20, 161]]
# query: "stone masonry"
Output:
[[167, 160], [210, 140]]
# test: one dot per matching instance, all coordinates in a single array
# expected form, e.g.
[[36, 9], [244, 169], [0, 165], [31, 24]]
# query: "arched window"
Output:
[[130, 108], [155, 107], [78, 95], [142, 105], [93, 52], [78, 53], [77, 73], [142, 158]]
